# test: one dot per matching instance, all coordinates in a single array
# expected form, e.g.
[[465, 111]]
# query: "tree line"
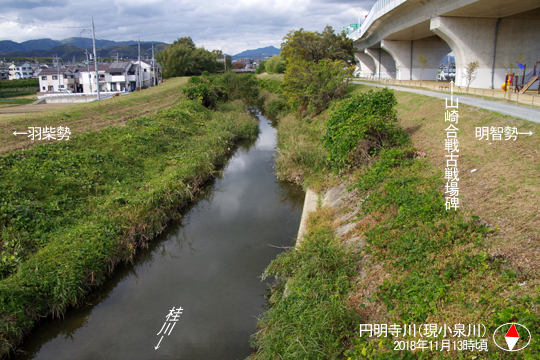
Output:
[[316, 66]]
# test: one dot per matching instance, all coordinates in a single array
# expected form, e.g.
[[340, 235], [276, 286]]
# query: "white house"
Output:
[[54, 80], [116, 76], [147, 78], [87, 79], [23, 71]]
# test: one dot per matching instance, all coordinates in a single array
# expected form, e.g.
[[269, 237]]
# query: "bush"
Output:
[[240, 86], [274, 86], [310, 86], [207, 94], [360, 126], [195, 80], [275, 65], [19, 83], [261, 68], [210, 89], [276, 108]]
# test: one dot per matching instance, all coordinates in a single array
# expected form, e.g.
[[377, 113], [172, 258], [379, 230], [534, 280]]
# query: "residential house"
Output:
[[60, 79], [4, 73], [20, 71], [146, 77], [88, 78], [116, 76]]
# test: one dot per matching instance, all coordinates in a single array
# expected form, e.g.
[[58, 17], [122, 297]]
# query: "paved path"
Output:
[[506, 109]]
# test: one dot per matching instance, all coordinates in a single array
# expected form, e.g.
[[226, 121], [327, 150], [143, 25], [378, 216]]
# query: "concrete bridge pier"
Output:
[[494, 43], [365, 66], [406, 54], [385, 66]]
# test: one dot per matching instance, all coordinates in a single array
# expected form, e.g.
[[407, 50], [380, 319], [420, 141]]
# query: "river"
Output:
[[207, 263]]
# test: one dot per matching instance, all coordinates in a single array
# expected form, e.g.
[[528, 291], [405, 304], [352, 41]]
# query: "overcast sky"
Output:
[[230, 25]]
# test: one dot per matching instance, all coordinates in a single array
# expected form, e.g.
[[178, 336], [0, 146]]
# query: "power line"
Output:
[[43, 25]]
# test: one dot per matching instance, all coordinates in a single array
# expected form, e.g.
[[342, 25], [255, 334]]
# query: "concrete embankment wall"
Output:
[[334, 198], [72, 98]]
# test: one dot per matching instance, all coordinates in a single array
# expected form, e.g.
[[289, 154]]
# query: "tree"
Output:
[[315, 46], [310, 87], [228, 62], [261, 68], [238, 65], [187, 41], [423, 65], [218, 53], [275, 65], [470, 72], [183, 58]]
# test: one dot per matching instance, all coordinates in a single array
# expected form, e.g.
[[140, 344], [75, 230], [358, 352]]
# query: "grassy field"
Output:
[[415, 262], [72, 210], [91, 116], [14, 102], [15, 88]]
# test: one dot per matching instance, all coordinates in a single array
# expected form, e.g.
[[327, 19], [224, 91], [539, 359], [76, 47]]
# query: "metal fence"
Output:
[[369, 19], [509, 97]]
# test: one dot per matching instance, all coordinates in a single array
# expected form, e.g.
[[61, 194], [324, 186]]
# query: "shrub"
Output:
[[207, 94], [276, 108], [360, 126], [310, 86], [240, 86], [274, 86], [275, 65], [209, 89], [261, 68], [195, 80]]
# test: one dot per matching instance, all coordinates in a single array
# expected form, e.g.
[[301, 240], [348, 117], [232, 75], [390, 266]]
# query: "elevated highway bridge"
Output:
[[495, 33]]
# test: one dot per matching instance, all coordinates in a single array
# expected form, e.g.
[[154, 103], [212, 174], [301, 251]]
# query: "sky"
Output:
[[228, 25]]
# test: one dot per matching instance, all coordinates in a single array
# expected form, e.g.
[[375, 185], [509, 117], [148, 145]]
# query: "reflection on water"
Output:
[[208, 263]]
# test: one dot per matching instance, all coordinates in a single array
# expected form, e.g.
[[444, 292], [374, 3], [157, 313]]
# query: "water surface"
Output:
[[208, 263]]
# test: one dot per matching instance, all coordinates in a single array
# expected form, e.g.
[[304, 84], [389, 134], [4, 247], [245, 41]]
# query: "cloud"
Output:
[[232, 26]]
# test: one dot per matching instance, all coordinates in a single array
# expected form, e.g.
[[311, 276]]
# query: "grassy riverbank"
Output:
[[91, 116], [414, 262], [72, 210]]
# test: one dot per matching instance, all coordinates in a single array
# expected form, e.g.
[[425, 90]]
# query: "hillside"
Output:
[[8, 46], [256, 53], [67, 52]]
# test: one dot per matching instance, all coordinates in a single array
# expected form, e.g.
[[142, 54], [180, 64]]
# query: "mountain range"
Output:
[[268, 51], [75, 47], [47, 44]]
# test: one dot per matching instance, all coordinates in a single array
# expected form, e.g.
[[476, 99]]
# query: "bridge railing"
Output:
[[369, 19]]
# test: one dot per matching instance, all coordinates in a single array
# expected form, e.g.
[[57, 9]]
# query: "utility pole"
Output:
[[88, 68], [58, 71], [139, 66], [95, 58], [153, 67]]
